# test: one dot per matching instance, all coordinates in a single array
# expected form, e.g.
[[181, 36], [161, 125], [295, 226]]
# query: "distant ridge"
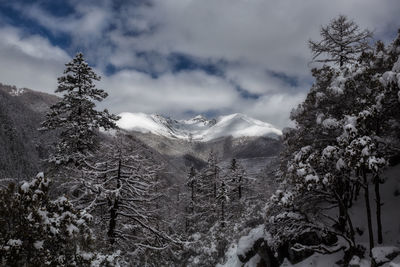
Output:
[[198, 128]]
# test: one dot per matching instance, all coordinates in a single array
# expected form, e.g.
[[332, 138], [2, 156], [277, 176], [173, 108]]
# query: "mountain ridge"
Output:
[[198, 128]]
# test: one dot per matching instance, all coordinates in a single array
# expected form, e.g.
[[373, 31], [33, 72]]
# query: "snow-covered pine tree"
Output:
[[191, 198], [238, 181], [312, 149], [316, 178], [207, 192], [342, 42], [203, 206], [387, 100], [378, 123], [75, 115], [343, 137], [38, 231], [238, 185], [222, 199]]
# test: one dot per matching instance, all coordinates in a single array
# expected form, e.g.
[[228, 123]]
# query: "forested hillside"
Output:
[[22, 146]]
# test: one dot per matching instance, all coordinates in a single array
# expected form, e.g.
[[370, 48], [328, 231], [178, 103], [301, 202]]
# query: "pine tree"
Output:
[[344, 137], [342, 41], [191, 183], [38, 231], [238, 181], [222, 199], [75, 114], [316, 176], [205, 191]]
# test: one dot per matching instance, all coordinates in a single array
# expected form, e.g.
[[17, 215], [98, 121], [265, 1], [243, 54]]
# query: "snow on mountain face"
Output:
[[17, 91], [197, 128]]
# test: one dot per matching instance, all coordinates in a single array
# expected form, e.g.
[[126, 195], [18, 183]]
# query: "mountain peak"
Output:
[[197, 128], [199, 117]]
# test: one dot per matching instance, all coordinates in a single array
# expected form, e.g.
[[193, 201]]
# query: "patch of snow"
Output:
[[301, 172], [62, 199], [246, 242], [38, 244], [338, 85], [232, 258], [396, 66], [311, 177], [72, 229], [395, 262], [329, 151], [330, 123], [355, 261], [25, 187], [320, 117], [380, 254], [14, 242], [340, 164], [17, 91]]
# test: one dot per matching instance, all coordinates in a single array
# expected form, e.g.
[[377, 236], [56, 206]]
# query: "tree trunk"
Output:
[[368, 207], [113, 220], [222, 213], [114, 209], [378, 196], [351, 227], [342, 221], [378, 209], [192, 187]]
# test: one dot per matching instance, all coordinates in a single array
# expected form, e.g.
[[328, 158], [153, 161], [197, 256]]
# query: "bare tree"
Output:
[[342, 42], [119, 186]]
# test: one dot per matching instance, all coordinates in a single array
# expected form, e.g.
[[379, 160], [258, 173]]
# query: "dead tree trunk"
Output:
[[378, 209], [368, 207]]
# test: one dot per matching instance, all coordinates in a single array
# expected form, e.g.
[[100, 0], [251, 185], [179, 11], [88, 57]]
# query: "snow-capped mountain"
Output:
[[198, 128]]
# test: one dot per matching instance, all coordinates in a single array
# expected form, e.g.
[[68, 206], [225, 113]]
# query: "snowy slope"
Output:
[[197, 128], [390, 193]]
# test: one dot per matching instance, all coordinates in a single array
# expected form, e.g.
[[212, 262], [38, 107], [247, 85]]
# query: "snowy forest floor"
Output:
[[390, 195]]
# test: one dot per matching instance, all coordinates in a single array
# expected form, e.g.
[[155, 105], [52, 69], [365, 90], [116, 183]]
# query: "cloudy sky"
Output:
[[181, 57]]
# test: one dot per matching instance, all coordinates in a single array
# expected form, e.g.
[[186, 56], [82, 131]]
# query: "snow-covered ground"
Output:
[[390, 224], [390, 195], [197, 128]]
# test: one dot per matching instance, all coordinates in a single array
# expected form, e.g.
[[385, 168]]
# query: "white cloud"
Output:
[[274, 108], [254, 37], [272, 34], [29, 61], [169, 93]]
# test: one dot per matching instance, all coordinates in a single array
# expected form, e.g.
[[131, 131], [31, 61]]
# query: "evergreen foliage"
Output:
[[37, 231], [343, 140], [75, 114]]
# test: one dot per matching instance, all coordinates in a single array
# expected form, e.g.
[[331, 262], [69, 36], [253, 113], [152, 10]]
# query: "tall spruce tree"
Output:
[[75, 114], [191, 199]]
